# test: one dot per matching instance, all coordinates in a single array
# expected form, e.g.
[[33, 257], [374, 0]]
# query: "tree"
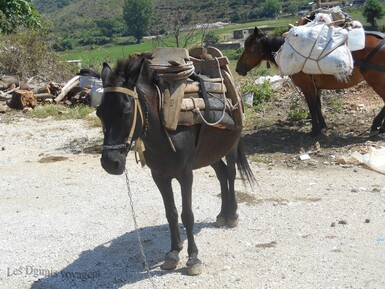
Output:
[[110, 27], [373, 10], [137, 15], [210, 39], [271, 8], [18, 13], [178, 24]]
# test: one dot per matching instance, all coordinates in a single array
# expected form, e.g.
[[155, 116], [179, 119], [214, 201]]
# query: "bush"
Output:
[[26, 54]]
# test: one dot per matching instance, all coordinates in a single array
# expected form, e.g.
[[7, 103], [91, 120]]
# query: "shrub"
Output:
[[261, 94], [26, 54]]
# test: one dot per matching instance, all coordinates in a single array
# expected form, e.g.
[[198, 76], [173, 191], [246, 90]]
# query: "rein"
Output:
[[137, 107]]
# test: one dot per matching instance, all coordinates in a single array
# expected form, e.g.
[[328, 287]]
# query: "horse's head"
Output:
[[120, 112], [253, 52]]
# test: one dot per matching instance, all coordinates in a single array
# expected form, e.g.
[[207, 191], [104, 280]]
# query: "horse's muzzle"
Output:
[[241, 69], [113, 162]]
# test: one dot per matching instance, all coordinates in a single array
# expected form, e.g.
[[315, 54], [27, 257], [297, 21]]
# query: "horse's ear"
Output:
[[258, 32], [106, 70]]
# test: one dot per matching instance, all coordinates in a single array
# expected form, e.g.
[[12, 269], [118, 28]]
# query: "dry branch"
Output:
[[69, 85]]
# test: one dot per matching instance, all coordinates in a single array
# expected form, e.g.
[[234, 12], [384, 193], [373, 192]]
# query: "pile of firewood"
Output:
[[18, 94]]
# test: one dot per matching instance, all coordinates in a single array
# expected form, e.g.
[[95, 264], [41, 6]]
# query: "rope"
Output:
[[140, 242], [174, 72], [224, 101]]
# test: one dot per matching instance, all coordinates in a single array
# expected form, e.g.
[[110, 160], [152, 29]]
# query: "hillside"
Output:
[[81, 21]]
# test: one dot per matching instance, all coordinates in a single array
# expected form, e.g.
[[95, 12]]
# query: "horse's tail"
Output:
[[243, 166]]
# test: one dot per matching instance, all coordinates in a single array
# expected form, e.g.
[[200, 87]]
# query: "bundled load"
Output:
[[319, 47]]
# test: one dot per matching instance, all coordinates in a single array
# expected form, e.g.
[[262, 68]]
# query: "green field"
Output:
[[95, 56]]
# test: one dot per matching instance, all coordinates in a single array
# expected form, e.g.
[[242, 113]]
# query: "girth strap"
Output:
[[363, 64]]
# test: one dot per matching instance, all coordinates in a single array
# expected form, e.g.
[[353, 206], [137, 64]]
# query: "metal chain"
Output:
[[140, 242]]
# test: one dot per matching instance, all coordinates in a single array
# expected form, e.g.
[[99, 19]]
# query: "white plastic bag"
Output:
[[375, 159]]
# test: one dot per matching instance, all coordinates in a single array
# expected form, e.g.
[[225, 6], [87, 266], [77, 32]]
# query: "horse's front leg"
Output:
[[315, 109], [165, 187], [312, 94], [194, 265]]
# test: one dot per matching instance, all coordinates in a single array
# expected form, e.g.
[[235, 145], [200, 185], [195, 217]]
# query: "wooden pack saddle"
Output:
[[182, 74]]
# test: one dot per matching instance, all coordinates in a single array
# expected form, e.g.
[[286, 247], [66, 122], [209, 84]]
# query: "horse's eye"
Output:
[[126, 113]]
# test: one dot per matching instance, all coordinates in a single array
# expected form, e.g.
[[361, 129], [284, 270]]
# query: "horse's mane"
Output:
[[270, 45], [127, 70]]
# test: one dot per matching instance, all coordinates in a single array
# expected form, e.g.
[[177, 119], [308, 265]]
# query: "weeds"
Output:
[[336, 104], [259, 94], [296, 112]]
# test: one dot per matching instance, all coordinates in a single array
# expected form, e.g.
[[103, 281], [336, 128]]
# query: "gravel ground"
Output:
[[66, 223]]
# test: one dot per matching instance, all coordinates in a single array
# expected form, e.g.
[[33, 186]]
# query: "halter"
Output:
[[137, 106]]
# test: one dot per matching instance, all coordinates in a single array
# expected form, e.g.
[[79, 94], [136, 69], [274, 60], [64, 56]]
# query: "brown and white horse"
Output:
[[369, 65]]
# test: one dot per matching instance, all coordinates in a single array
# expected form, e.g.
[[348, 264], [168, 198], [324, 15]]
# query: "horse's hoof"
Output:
[[170, 261], [374, 132], [221, 221], [232, 222], [194, 267]]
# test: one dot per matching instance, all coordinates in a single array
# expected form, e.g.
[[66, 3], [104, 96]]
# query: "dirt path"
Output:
[[65, 223]]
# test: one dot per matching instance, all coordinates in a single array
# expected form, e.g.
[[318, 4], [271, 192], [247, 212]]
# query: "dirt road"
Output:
[[65, 223]]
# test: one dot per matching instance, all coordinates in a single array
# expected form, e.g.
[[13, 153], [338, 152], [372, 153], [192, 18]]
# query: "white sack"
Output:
[[315, 48]]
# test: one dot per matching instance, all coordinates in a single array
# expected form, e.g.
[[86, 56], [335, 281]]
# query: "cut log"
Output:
[[210, 87], [42, 89], [69, 85], [43, 96], [5, 96], [6, 81], [22, 99]]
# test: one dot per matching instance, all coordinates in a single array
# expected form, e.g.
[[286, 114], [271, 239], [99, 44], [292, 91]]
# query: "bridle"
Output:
[[137, 107]]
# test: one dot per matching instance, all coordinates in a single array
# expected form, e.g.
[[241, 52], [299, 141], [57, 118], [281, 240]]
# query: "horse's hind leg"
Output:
[[232, 215], [226, 176], [165, 188], [321, 120], [378, 125]]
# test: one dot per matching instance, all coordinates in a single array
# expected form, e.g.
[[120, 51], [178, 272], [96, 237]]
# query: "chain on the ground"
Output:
[[137, 232]]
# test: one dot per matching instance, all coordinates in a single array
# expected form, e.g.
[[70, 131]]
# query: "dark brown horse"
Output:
[[369, 65], [130, 111]]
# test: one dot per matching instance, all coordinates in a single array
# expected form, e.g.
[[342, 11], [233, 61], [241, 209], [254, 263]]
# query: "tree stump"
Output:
[[22, 99]]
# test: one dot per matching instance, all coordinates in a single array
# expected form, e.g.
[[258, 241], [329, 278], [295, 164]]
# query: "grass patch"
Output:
[[61, 112], [336, 104]]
